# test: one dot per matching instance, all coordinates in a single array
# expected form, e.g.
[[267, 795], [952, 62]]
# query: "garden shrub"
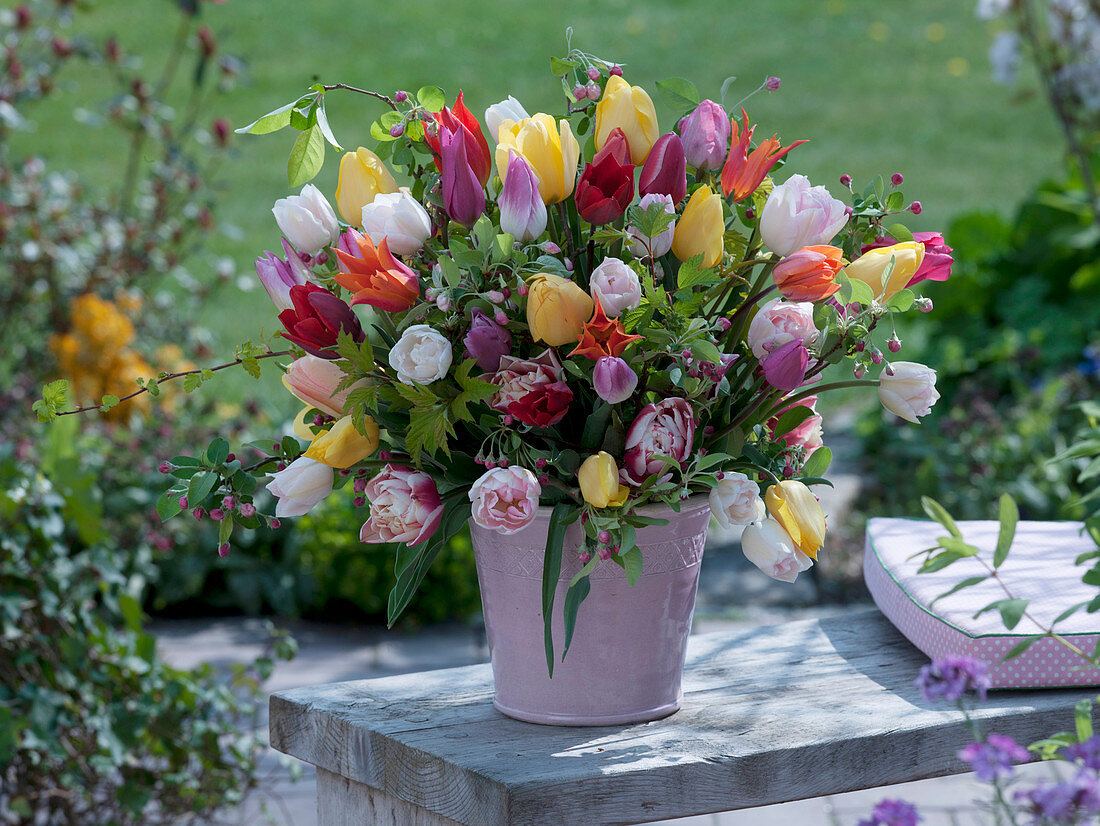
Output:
[[95, 728]]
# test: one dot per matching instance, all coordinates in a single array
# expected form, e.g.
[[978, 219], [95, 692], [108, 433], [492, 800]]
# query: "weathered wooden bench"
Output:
[[770, 714]]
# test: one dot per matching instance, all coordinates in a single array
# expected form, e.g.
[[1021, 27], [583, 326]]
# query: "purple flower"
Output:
[[278, 276], [613, 379], [785, 366], [463, 195], [1068, 802], [951, 677], [522, 212], [487, 341], [892, 813], [994, 758], [705, 134], [1088, 753]]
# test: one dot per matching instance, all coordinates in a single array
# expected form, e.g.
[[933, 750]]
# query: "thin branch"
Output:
[[384, 98]]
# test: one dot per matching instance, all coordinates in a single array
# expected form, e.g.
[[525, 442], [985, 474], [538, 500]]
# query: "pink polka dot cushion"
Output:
[[1039, 569]]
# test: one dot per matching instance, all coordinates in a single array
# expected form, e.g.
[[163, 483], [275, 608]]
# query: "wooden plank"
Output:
[[343, 802], [770, 714]]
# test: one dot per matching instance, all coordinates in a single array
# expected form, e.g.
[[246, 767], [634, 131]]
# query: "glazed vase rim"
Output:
[[693, 503]]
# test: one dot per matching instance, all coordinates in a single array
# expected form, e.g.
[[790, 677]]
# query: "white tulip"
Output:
[[798, 215], [422, 355], [508, 109], [735, 500], [400, 219], [770, 548], [307, 220], [910, 392], [616, 286], [299, 487]]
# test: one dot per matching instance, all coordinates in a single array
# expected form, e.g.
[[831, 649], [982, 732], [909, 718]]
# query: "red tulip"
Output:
[[459, 118], [316, 320], [665, 170], [606, 187]]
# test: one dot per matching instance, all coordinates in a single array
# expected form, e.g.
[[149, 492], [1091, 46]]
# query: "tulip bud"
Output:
[[628, 108], [770, 548], [706, 135], [522, 211], [908, 390], [362, 177], [550, 148], [599, 481], [613, 379], [313, 381], [557, 309], [794, 507], [665, 169], [307, 220], [508, 109], [785, 367], [342, 445], [463, 194], [606, 187], [701, 228], [278, 276]]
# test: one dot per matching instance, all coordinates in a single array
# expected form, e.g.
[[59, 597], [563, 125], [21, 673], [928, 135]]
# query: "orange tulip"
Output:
[[808, 275], [603, 336], [374, 276], [744, 171]]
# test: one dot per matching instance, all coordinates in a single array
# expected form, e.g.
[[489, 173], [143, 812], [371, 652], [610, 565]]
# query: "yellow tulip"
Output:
[[557, 309], [599, 479], [301, 424], [870, 266], [794, 507], [551, 149], [362, 177], [628, 108], [342, 445], [701, 228]]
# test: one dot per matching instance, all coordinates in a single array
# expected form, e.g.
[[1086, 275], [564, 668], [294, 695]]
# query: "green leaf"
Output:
[[939, 562], [1082, 719], [307, 156], [431, 98], [412, 563], [380, 129], [957, 546], [886, 273], [218, 451], [429, 426], [107, 402], [131, 611], [561, 66], [901, 301], [861, 292], [937, 512], [792, 419], [271, 122], [692, 274], [595, 426], [573, 599], [844, 294], [899, 232], [1011, 610], [1022, 646], [966, 583], [679, 93], [551, 571], [168, 504], [818, 464], [632, 563], [200, 486], [1009, 516]]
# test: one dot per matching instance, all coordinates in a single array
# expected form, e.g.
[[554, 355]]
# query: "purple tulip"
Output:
[[613, 379], [487, 341], [785, 366], [522, 212], [665, 170], [278, 276], [706, 136], [463, 195]]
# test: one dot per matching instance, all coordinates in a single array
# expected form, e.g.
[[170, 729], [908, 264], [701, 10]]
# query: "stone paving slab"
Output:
[[337, 653]]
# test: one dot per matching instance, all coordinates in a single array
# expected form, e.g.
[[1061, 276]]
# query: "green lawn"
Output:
[[877, 86]]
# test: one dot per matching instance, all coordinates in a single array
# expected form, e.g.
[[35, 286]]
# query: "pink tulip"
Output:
[[404, 507], [666, 428], [463, 195], [505, 500], [665, 170], [785, 366], [313, 381], [278, 276], [706, 136], [522, 212], [778, 322], [614, 380]]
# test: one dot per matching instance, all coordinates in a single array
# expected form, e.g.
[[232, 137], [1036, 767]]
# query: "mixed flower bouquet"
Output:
[[585, 312]]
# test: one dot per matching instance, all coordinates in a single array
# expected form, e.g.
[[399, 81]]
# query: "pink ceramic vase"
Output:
[[627, 654]]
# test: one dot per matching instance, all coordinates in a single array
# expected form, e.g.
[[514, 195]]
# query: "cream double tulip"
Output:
[[550, 148], [362, 177], [870, 267], [599, 480], [701, 228], [628, 108]]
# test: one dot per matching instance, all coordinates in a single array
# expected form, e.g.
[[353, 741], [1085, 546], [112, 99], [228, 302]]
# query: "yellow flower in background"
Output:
[[628, 108], [550, 148], [362, 177], [701, 228], [794, 507], [870, 266], [342, 445], [599, 480], [557, 309]]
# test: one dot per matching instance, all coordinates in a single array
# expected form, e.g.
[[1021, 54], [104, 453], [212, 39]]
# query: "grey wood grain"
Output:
[[772, 714], [343, 802]]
